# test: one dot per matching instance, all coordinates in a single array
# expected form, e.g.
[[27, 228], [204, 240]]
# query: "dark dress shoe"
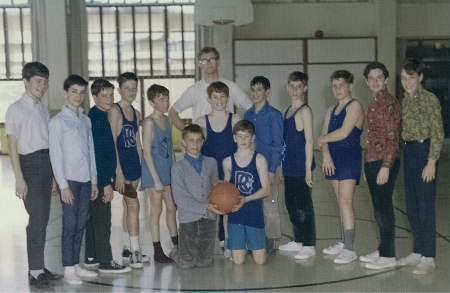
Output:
[[52, 276], [41, 282]]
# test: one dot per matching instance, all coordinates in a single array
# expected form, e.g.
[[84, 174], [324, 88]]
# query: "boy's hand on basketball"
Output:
[[239, 205], [66, 195], [108, 194], [94, 192], [219, 181], [212, 207]]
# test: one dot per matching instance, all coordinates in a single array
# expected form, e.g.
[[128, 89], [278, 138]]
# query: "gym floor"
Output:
[[281, 273]]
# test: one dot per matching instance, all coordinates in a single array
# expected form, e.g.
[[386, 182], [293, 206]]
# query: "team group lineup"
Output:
[[85, 158]]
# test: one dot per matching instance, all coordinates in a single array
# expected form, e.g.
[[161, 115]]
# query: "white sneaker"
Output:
[[411, 260], [346, 256], [70, 277], [306, 252], [136, 260], [291, 246], [426, 265], [382, 263], [334, 249], [370, 257], [222, 243], [84, 273], [145, 258]]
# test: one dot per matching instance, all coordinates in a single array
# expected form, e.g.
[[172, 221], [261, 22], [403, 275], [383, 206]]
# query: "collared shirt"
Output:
[[422, 119], [196, 163], [196, 97], [383, 135], [105, 151], [28, 122], [72, 148], [269, 133]]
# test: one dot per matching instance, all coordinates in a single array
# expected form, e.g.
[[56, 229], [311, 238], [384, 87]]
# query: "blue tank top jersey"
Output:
[[294, 153], [247, 181], [127, 148], [161, 152], [346, 153], [219, 145]]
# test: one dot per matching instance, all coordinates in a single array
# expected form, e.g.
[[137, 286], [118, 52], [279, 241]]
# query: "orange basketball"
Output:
[[225, 195]]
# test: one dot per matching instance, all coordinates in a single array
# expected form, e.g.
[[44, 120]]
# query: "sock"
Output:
[[36, 273], [70, 269], [159, 254], [349, 238], [134, 241], [175, 240], [126, 240]]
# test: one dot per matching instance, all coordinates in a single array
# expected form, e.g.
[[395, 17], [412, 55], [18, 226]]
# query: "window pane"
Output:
[[158, 41], [126, 40], [110, 41]]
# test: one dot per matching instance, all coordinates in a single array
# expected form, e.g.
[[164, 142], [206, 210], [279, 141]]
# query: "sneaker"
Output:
[[145, 258], [126, 254], [71, 278], [291, 246], [306, 252], [135, 260], [411, 260], [382, 263], [90, 262], [426, 265], [334, 249], [80, 272], [113, 268], [370, 257], [346, 256]]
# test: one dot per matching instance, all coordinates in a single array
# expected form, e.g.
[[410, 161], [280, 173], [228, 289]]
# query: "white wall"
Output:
[[425, 20]]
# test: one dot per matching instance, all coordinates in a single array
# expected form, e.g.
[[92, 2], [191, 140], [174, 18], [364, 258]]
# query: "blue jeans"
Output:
[[74, 221]]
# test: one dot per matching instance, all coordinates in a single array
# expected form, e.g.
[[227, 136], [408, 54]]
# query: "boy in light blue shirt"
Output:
[[73, 162]]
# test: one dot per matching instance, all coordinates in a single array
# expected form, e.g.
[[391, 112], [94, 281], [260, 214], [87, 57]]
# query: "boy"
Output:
[[341, 149], [298, 163], [423, 134], [192, 179], [158, 159], [73, 162], [248, 171], [27, 129], [218, 129], [382, 162], [196, 95], [98, 229], [124, 120], [268, 122]]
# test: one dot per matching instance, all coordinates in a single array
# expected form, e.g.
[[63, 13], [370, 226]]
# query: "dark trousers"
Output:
[[300, 208], [74, 222], [420, 199], [98, 230], [196, 243], [37, 172], [382, 204]]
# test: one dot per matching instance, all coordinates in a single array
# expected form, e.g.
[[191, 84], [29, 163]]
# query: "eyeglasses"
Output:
[[211, 60]]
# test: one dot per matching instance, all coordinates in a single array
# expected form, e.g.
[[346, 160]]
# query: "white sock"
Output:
[[134, 241], [36, 273], [68, 270], [126, 240]]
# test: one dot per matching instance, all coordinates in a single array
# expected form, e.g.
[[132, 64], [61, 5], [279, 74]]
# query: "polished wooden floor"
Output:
[[281, 273]]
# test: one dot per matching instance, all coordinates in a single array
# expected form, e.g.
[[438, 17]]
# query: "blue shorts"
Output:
[[241, 237]]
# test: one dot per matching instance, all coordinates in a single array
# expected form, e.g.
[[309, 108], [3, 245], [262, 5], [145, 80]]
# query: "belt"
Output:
[[414, 142], [43, 151]]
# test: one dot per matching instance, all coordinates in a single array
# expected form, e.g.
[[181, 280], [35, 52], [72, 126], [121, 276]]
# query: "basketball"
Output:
[[225, 196]]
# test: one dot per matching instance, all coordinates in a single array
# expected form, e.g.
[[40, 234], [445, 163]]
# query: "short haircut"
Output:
[[35, 69], [298, 76], [260, 80], [74, 79], [154, 90], [344, 74], [218, 87], [192, 128], [100, 84], [124, 77], [413, 65], [244, 126], [207, 50], [375, 65]]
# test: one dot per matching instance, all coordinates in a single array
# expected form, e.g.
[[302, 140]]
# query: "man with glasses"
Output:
[[196, 96]]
